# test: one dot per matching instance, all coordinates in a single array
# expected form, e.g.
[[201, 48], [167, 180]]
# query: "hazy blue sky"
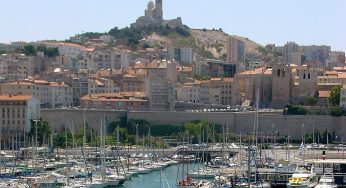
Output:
[[264, 21]]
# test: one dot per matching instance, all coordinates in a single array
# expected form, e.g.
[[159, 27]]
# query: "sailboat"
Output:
[[256, 182], [187, 182]]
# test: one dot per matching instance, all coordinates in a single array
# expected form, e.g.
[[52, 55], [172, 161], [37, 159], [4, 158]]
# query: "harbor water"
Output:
[[152, 179]]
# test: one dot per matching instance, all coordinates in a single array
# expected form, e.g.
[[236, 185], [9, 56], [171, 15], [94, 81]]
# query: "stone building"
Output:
[[153, 16], [281, 85], [247, 83]]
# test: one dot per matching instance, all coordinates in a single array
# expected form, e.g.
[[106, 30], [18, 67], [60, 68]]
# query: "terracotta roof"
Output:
[[260, 70], [15, 97], [18, 83], [323, 94], [121, 95]]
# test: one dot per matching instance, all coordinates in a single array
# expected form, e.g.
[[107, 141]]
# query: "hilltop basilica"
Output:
[[153, 16]]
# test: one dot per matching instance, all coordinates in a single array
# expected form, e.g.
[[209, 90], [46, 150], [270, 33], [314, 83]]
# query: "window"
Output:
[[279, 73]]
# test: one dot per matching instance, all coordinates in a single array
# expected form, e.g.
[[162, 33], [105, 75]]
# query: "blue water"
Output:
[[152, 179]]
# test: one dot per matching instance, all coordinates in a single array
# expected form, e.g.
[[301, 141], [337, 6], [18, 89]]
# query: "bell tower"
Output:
[[158, 9]]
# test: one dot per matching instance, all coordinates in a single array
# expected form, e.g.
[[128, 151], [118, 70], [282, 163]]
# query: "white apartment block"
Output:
[[16, 111], [103, 58], [50, 94], [65, 49]]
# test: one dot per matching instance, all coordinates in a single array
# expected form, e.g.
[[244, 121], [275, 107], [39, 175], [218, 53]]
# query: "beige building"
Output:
[[133, 83], [15, 66], [50, 94], [130, 101], [247, 83], [218, 91], [305, 84], [102, 85], [105, 58], [189, 92], [16, 112]]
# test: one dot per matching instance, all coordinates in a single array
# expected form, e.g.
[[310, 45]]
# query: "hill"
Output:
[[206, 43]]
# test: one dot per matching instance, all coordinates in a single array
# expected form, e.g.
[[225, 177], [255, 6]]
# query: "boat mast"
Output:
[[0, 151]]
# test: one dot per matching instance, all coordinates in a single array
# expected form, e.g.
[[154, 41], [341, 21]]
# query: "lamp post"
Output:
[[303, 139], [327, 139]]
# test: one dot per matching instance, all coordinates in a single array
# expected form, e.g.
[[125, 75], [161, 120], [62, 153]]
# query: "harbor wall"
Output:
[[269, 123]]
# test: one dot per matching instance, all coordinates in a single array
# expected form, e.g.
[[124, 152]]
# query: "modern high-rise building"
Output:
[[235, 51]]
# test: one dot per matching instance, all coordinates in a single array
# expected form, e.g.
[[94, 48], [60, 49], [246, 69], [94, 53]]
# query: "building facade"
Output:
[[129, 101], [235, 51], [50, 94], [16, 112]]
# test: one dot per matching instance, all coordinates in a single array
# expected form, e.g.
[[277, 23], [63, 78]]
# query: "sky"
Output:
[[306, 22]]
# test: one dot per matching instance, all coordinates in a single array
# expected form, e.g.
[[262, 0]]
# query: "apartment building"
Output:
[[133, 83], [235, 50], [218, 91], [50, 94], [183, 55], [101, 85], [189, 92], [106, 58], [15, 66], [16, 112]]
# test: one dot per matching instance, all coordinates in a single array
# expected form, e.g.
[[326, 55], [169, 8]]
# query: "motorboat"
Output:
[[303, 177], [327, 181]]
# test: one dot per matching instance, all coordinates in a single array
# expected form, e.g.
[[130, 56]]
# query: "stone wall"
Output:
[[237, 122], [61, 118]]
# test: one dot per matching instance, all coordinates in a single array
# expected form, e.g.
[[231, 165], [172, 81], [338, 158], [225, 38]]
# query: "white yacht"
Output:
[[303, 177], [327, 181]]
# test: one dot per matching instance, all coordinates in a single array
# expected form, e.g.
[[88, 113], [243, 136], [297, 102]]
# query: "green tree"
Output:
[[336, 111], [29, 50], [312, 101], [41, 129], [195, 128], [335, 95], [296, 110]]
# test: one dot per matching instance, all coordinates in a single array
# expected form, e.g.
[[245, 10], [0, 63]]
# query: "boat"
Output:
[[187, 183], [202, 173], [303, 177], [327, 181]]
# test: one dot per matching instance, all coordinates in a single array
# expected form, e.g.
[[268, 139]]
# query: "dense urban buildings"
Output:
[[168, 63]]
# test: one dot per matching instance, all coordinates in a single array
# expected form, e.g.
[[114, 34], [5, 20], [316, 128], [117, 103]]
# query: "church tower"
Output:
[[158, 10]]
